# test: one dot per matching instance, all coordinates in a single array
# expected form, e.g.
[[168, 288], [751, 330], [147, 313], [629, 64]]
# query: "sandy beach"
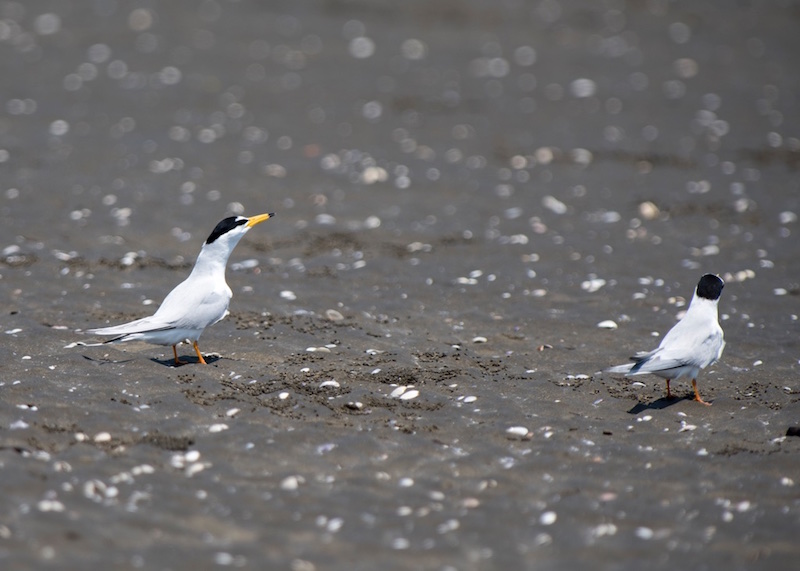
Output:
[[480, 206]]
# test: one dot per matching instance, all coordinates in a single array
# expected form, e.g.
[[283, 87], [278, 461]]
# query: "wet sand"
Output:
[[410, 377]]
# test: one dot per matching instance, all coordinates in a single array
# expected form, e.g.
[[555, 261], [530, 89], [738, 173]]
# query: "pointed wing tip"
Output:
[[618, 369]]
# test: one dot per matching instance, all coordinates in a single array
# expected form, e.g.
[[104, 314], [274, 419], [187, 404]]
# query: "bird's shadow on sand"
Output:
[[658, 404], [170, 362]]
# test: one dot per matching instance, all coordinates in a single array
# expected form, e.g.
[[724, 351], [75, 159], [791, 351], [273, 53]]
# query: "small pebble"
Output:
[[593, 285], [232, 412], [649, 211], [244, 265], [218, 427], [142, 469], [518, 431], [334, 315], [290, 483], [195, 468], [329, 383], [607, 324], [408, 395], [50, 506], [223, 558], [548, 518], [400, 543], [479, 339], [102, 437]]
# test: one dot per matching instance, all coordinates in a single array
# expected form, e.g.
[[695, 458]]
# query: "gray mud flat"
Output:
[[410, 377]]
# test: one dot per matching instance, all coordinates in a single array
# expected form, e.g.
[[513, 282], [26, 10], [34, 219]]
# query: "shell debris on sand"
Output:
[[408, 395], [404, 392], [189, 462], [50, 505], [333, 315], [98, 491], [593, 284], [318, 349], [291, 483], [548, 518], [519, 431], [649, 211]]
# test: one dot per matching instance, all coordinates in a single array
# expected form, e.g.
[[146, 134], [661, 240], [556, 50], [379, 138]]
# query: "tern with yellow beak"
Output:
[[199, 301]]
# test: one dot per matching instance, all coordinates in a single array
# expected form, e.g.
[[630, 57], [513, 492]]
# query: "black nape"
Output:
[[225, 226], [710, 287]]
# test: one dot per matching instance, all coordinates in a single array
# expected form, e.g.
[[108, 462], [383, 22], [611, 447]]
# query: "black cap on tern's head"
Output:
[[710, 287], [225, 226]]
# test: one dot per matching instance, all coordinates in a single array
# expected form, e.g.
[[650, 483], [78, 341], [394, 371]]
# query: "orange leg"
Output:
[[669, 394], [697, 394], [175, 352], [199, 354]]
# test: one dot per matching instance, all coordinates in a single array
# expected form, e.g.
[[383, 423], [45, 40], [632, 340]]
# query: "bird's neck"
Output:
[[702, 306], [212, 260]]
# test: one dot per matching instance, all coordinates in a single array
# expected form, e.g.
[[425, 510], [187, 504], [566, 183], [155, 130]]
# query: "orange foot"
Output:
[[199, 354], [697, 396]]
